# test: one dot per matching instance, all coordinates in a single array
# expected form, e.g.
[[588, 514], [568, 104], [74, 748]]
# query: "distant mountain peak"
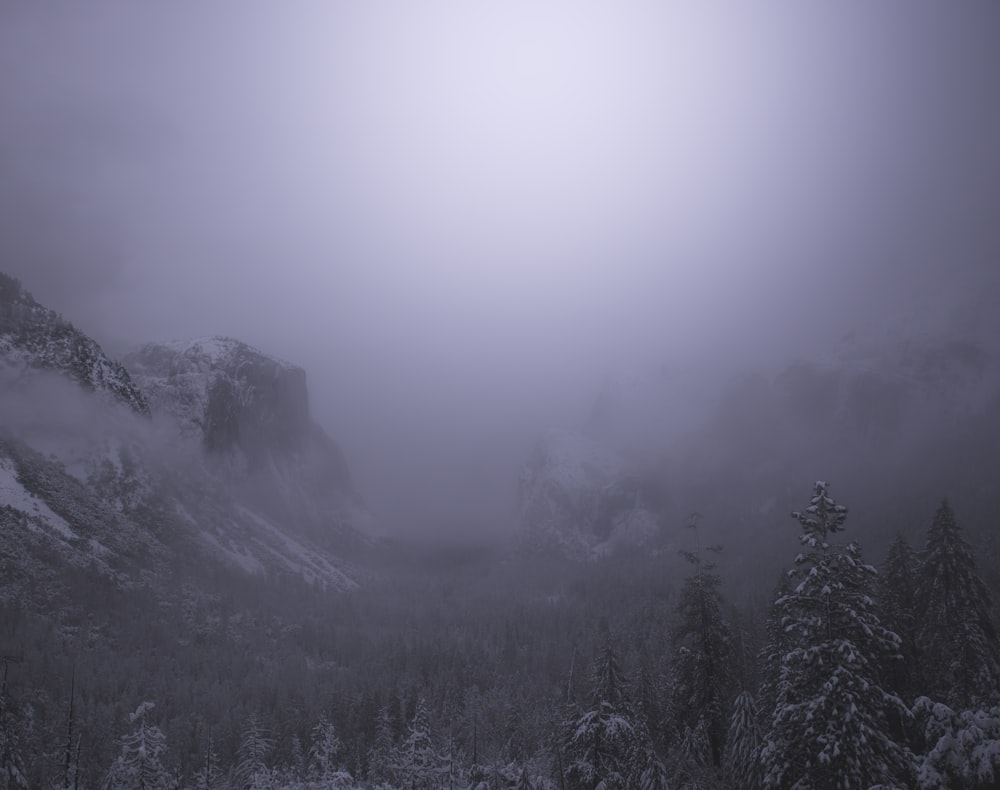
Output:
[[217, 350]]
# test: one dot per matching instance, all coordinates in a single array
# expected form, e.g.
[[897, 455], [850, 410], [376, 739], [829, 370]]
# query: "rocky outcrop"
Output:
[[249, 412]]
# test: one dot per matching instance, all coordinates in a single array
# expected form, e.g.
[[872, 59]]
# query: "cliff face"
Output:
[[206, 456], [250, 414]]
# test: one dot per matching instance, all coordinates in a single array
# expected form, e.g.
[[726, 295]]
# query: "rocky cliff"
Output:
[[249, 412], [206, 455]]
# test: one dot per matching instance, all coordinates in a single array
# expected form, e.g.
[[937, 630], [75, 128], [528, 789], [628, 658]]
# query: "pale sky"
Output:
[[459, 217]]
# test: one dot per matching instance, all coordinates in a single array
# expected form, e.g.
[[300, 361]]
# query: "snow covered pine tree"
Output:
[[140, 765], [828, 728], [418, 765], [600, 740], [702, 673], [955, 633]]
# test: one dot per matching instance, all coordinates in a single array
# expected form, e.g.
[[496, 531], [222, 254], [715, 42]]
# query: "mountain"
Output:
[[896, 422], [249, 413], [580, 499], [33, 337], [203, 458]]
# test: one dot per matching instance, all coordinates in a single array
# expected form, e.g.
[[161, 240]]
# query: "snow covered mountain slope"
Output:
[[227, 468], [34, 337]]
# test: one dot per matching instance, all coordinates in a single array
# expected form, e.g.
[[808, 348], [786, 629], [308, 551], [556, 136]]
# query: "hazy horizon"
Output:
[[459, 220]]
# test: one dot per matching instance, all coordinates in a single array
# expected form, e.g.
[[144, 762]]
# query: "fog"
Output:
[[459, 218]]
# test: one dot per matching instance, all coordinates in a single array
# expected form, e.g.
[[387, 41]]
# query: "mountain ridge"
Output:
[[203, 450]]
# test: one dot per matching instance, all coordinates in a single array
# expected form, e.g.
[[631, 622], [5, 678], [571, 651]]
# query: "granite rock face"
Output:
[[203, 455], [250, 414]]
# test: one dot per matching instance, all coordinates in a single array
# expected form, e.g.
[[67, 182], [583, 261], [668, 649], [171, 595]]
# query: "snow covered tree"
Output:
[[744, 742], [599, 741], [524, 780], [829, 728], [896, 590], [209, 776], [645, 766], [962, 749], [654, 775], [417, 762], [326, 747], [251, 771], [957, 638], [702, 674], [12, 773], [139, 766], [380, 755]]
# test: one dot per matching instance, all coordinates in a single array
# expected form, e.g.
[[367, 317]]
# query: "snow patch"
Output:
[[15, 495]]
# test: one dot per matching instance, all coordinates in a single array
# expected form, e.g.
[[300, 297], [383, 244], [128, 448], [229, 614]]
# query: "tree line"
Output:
[[514, 674]]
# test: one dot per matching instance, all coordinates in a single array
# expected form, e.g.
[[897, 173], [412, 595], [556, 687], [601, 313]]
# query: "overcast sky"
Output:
[[460, 216]]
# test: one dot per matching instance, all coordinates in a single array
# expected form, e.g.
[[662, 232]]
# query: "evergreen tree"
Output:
[[139, 765], [12, 773], [417, 762], [743, 743], [962, 750], [599, 742], [251, 771], [380, 755], [897, 584], [209, 776], [653, 693], [958, 641], [702, 672], [829, 728], [653, 775], [326, 747]]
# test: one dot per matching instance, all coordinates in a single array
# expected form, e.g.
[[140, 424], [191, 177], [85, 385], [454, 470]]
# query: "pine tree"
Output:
[[897, 583], [209, 776], [829, 728], [380, 755], [654, 775], [326, 747], [417, 762], [743, 743], [139, 766], [524, 780], [599, 742], [962, 748], [251, 771], [702, 671], [12, 773], [958, 641]]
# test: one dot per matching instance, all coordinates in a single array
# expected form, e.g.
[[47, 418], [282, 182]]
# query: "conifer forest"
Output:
[[852, 672], [499, 395]]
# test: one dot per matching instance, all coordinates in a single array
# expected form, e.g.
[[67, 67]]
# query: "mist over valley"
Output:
[[536, 396]]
